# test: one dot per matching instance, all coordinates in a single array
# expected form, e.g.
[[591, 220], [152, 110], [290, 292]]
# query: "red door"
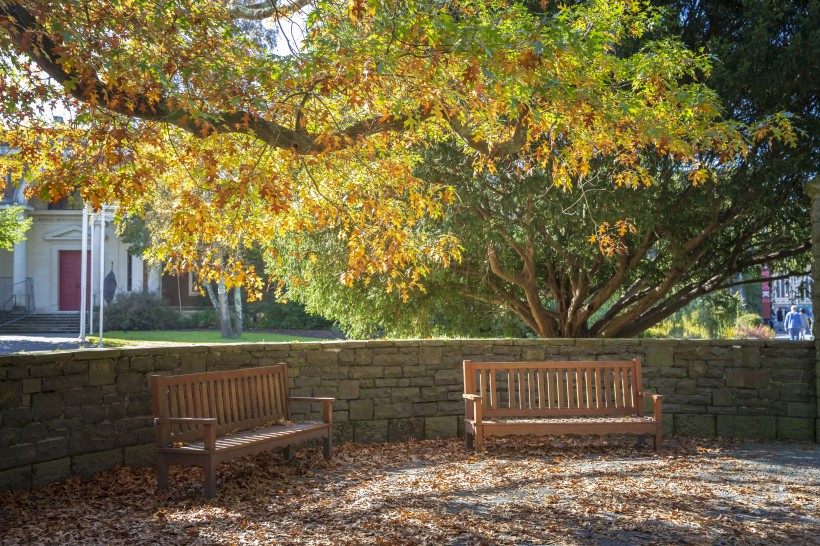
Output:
[[70, 274]]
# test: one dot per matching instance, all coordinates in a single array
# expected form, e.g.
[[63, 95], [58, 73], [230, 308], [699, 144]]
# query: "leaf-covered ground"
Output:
[[520, 491]]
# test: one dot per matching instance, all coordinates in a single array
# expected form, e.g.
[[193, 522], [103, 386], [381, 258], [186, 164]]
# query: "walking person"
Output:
[[806, 324], [793, 323]]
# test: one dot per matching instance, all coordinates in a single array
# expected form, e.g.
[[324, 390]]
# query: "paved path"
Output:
[[37, 342]]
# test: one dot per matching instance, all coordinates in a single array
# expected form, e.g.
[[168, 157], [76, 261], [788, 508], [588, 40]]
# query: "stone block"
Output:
[[347, 390], [747, 378], [405, 394], [16, 417], [697, 369], [141, 455], [322, 358], [366, 372], [19, 455], [795, 392], [89, 465], [16, 479], [10, 394], [138, 404], [659, 356], [795, 428], [449, 377], [416, 371], [392, 410], [65, 382], [747, 426], [92, 438], [435, 394], [455, 407], [46, 406], [399, 430], [101, 372], [532, 353], [191, 363], [686, 386], [50, 472], [89, 396], [91, 415], [722, 397], [394, 359], [394, 371], [32, 385], [361, 410], [131, 383], [368, 432], [801, 409], [49, 369], [34, 432], [429, 356], [440, 427], [51, 448], [695, 425], [343, 432], [749, 357], [426, 409], [421, 382]]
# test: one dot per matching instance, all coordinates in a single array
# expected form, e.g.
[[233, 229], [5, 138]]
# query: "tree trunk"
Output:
[[224, 311], [239, 319]]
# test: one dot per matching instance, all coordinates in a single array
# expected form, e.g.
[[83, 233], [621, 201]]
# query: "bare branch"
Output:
[[266, 9]]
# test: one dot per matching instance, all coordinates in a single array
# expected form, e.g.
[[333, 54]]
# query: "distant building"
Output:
[[791, 291], [42, 273]]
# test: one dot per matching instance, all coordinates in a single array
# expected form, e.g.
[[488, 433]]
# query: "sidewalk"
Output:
[[18, 343]]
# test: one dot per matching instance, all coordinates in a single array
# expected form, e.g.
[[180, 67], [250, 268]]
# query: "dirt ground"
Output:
[[523, 491]]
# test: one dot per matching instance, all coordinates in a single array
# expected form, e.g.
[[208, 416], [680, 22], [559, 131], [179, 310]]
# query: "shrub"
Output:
[[284, 316], [761, 331], [140, 311], [206, 318]]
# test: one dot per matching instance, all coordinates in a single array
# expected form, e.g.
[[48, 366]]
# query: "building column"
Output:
[[154, 280], [19, 276], [813, 190]]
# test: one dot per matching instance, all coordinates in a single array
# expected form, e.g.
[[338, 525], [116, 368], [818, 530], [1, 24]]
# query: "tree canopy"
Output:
[[183, 106], [524, 248]]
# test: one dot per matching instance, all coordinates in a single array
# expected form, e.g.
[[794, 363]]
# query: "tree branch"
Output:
[[266, 9], [32, 40]]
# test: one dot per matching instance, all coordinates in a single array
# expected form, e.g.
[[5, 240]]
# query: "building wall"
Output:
[[80, 412]]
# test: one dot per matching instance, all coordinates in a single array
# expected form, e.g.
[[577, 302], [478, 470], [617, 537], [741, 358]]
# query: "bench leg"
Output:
[[287, 454], [210, 479], [328, 446], [478, 441], [658, 438], [162, 473]]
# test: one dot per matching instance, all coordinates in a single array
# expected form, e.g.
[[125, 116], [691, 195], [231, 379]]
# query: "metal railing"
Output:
[[12, 300]]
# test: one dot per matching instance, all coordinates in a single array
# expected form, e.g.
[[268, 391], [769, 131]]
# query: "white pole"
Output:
[[102, 269], [91, 263], [83, 273]]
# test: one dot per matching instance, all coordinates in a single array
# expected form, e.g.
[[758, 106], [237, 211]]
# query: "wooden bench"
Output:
[[600, 397], [204, 419]]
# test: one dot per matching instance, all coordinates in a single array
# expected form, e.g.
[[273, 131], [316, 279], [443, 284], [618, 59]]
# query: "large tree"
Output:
[[525, 246], [323, 140]]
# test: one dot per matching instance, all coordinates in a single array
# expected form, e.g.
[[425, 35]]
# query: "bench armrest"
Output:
[[208, 429], [474, 406], [327, 409], [657, 403]]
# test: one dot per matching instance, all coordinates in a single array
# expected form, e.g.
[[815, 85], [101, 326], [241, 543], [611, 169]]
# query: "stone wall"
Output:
[[80, 412]]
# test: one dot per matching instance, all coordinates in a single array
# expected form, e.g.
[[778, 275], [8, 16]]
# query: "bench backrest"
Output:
[[533, 389], [239, 399]]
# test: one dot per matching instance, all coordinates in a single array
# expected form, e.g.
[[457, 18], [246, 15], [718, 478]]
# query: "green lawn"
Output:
[[118, 338]]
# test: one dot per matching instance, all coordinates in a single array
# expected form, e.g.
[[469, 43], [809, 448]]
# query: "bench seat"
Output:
[[206, 419], [542, 398]]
